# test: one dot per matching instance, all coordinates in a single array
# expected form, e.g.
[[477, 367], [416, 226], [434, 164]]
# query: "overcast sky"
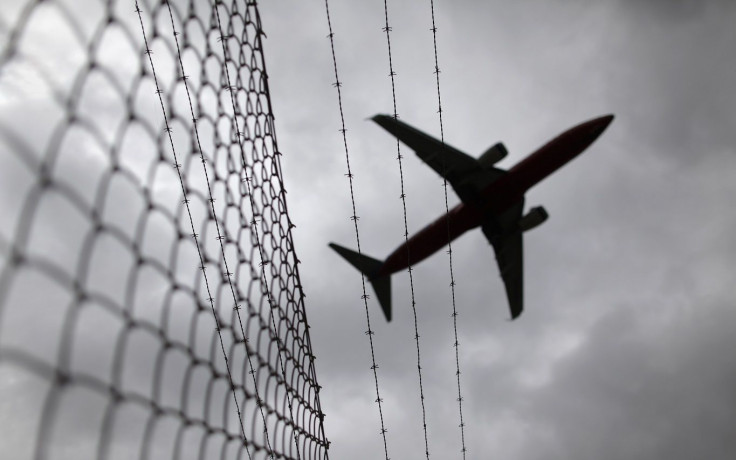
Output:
[[625, 348]]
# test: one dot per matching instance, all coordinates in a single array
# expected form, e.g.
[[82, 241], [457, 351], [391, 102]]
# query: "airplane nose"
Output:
[[600, 124]]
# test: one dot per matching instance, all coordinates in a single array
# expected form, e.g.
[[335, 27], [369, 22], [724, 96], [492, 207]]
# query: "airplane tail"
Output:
[[369, 267]]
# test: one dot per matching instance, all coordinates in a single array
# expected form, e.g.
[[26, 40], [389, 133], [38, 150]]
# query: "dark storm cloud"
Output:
[[661, 388], [682, 63], [620, 282], [670, 11], [624, 350]]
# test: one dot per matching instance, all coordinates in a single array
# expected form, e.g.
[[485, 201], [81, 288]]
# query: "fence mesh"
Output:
[[150, 301]]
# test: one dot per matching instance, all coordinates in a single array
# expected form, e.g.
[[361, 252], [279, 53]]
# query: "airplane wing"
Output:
[[462, 171], [446, 160], [508, 245]]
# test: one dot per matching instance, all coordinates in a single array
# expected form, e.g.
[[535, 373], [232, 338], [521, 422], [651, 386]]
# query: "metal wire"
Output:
[[137, 318], [387, 29], [454, 314], [354, 217]]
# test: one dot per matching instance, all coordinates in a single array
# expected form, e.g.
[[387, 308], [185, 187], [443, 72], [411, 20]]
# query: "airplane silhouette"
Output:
[[492, 199]]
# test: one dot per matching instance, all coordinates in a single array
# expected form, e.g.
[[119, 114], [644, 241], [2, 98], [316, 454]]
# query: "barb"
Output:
[[449, 242], [387, 29], [354, 217]]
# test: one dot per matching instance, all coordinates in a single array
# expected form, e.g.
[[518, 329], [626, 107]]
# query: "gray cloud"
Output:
[[611, 356], [624, 349]]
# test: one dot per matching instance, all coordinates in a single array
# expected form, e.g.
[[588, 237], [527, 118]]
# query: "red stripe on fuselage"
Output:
[[432, 238], [510, 188]]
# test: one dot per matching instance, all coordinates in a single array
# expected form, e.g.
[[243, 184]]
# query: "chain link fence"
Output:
[[150, 301]]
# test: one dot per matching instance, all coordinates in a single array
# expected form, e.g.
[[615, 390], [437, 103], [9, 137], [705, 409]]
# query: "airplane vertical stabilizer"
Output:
[[370, 267]]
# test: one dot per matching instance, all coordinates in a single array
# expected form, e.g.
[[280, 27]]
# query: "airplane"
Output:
[[491, 198]]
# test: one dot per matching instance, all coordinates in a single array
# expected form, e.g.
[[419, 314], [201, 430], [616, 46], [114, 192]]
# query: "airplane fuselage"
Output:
[[498, 196]]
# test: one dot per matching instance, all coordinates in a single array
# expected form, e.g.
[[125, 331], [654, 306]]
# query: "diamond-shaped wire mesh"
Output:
[[149, 289]]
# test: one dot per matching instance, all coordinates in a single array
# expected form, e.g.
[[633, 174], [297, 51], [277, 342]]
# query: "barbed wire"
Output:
[[454, 314], [354, 217], [114, 287], [387, 29]]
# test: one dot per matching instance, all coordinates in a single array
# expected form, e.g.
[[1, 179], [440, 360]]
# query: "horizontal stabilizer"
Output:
[[369, 267], [534, 218]]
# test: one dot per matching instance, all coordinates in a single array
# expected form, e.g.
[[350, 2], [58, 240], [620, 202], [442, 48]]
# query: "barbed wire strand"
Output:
[[194, 235], [454, 315], [374, 367], [387, 29]]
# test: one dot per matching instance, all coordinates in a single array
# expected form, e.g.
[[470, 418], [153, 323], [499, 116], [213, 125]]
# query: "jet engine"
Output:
[[492, 155], [535, 217]]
